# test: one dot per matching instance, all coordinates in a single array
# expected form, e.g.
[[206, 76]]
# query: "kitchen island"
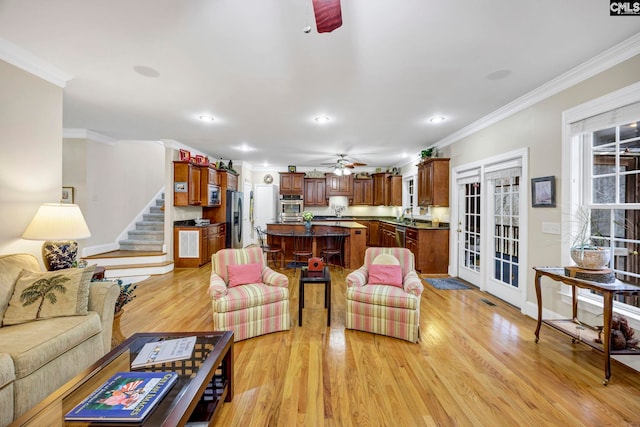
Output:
[[355, 241]]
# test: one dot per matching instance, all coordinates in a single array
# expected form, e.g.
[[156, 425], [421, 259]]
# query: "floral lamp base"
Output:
[[60, 254]]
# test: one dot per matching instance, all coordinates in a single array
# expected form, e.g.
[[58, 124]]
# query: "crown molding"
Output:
[[79, 133], [599, 63], [30, 63]]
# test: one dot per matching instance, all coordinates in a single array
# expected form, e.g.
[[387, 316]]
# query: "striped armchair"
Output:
[[248, 309], [384, 309]]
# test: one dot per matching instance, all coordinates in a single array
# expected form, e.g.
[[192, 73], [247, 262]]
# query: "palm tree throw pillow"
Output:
[[39, 296]]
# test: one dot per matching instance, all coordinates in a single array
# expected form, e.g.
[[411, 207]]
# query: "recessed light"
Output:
[[206, 118], [436, 119], [322, 119], [244, 147]]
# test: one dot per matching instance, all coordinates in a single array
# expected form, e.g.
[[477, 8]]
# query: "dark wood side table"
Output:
[[577, 330], [307, 277]]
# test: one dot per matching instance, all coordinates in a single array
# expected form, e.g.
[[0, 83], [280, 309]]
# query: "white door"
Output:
[[504, 204], [248, 236], [469, 229]]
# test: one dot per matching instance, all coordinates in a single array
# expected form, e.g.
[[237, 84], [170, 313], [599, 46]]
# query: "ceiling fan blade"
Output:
[[328, 15], [358, 164]]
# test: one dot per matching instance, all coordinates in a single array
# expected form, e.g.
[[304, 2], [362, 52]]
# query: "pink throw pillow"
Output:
[[380, 274], [243, 274]]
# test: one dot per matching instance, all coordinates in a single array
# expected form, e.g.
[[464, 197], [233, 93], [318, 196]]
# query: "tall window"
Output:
[[610, 151]]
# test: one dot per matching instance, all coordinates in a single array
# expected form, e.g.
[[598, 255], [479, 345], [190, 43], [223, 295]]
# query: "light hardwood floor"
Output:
[[476, 364]]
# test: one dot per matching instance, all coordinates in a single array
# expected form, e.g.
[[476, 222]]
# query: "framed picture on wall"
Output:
[[292, 168], [67, 195], [543, 192]]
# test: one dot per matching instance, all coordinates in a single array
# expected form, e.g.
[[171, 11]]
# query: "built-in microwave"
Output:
[[213, 195], [290, 208]]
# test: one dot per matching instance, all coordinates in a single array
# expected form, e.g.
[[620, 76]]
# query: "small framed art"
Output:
[[543, 192], [67, 195], [292, 168]]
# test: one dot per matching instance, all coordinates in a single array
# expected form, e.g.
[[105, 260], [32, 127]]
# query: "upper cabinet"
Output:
[[191, 183], [189, 188], [229, 181], [363, 191], [292, 183], [433, 182], [387, 189], [315, 192], [339, 185]]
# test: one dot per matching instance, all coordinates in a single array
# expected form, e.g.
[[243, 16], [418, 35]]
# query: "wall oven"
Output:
[[290, 208]]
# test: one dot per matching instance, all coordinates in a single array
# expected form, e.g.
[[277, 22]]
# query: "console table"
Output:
[[573, 327]]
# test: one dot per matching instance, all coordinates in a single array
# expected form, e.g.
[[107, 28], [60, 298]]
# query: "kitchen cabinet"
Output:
[[373, 232], [214, 177], [339, 185], [229, 181], [430, 248], [187, 180], [387, 189], [433, 183], [363, 192], [388, 235], [315, 192], [191, 183], [194, 245], [291, 183]]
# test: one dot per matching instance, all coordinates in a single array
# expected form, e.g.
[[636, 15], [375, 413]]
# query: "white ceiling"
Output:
[[391, 66]]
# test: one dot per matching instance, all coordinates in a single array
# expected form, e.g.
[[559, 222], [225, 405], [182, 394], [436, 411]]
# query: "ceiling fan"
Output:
[[342, 166]]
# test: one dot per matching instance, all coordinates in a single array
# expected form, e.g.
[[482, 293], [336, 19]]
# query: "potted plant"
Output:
[[586, 248], [307, 217]]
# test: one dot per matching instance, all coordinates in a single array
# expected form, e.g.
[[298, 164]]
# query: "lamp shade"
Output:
[[57, 221]]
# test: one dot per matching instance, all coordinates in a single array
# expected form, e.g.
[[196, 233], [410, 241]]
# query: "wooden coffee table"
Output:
[[205, 381]]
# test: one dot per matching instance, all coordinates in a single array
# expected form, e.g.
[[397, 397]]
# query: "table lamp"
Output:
[[59, 225]]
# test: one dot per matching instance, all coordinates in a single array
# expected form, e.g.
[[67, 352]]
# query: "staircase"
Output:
[[141, 254], [149, 233]]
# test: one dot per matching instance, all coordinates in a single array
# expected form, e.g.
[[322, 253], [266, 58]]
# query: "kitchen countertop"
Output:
[[418, 224], [192, 223]]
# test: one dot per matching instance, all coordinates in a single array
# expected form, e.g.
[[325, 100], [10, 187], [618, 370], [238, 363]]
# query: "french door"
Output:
[[489, 215], [504, 203], [469, 230]]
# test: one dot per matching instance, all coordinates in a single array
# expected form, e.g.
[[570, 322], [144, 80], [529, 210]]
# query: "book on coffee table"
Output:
[[126, 396], [164, 351]]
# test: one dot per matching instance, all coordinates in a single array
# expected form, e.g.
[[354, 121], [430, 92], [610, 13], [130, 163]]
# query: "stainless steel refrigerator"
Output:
[[234, 219]]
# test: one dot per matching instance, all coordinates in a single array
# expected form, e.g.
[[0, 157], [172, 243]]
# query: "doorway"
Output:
[[490, 218]]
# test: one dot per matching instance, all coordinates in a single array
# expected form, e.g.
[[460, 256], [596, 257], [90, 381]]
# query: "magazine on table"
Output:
[[164, 351], [126, 396]]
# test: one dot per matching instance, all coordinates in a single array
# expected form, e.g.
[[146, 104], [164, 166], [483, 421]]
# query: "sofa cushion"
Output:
[[242, 297], [7, 371], [244, 274], [38, 296], [383, 295], [33, 345], [380, 274], [10, 268]]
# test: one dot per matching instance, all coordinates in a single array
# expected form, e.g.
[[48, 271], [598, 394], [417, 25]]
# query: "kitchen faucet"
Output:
[[411, 220]]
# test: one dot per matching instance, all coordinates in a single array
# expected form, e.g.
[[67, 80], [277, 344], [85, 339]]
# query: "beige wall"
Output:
[[113, 183], [31, 147], [539, 129]]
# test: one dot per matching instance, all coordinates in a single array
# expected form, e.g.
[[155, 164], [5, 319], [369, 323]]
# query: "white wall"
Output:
[[539, 128], [31, 159], [113, 183]]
